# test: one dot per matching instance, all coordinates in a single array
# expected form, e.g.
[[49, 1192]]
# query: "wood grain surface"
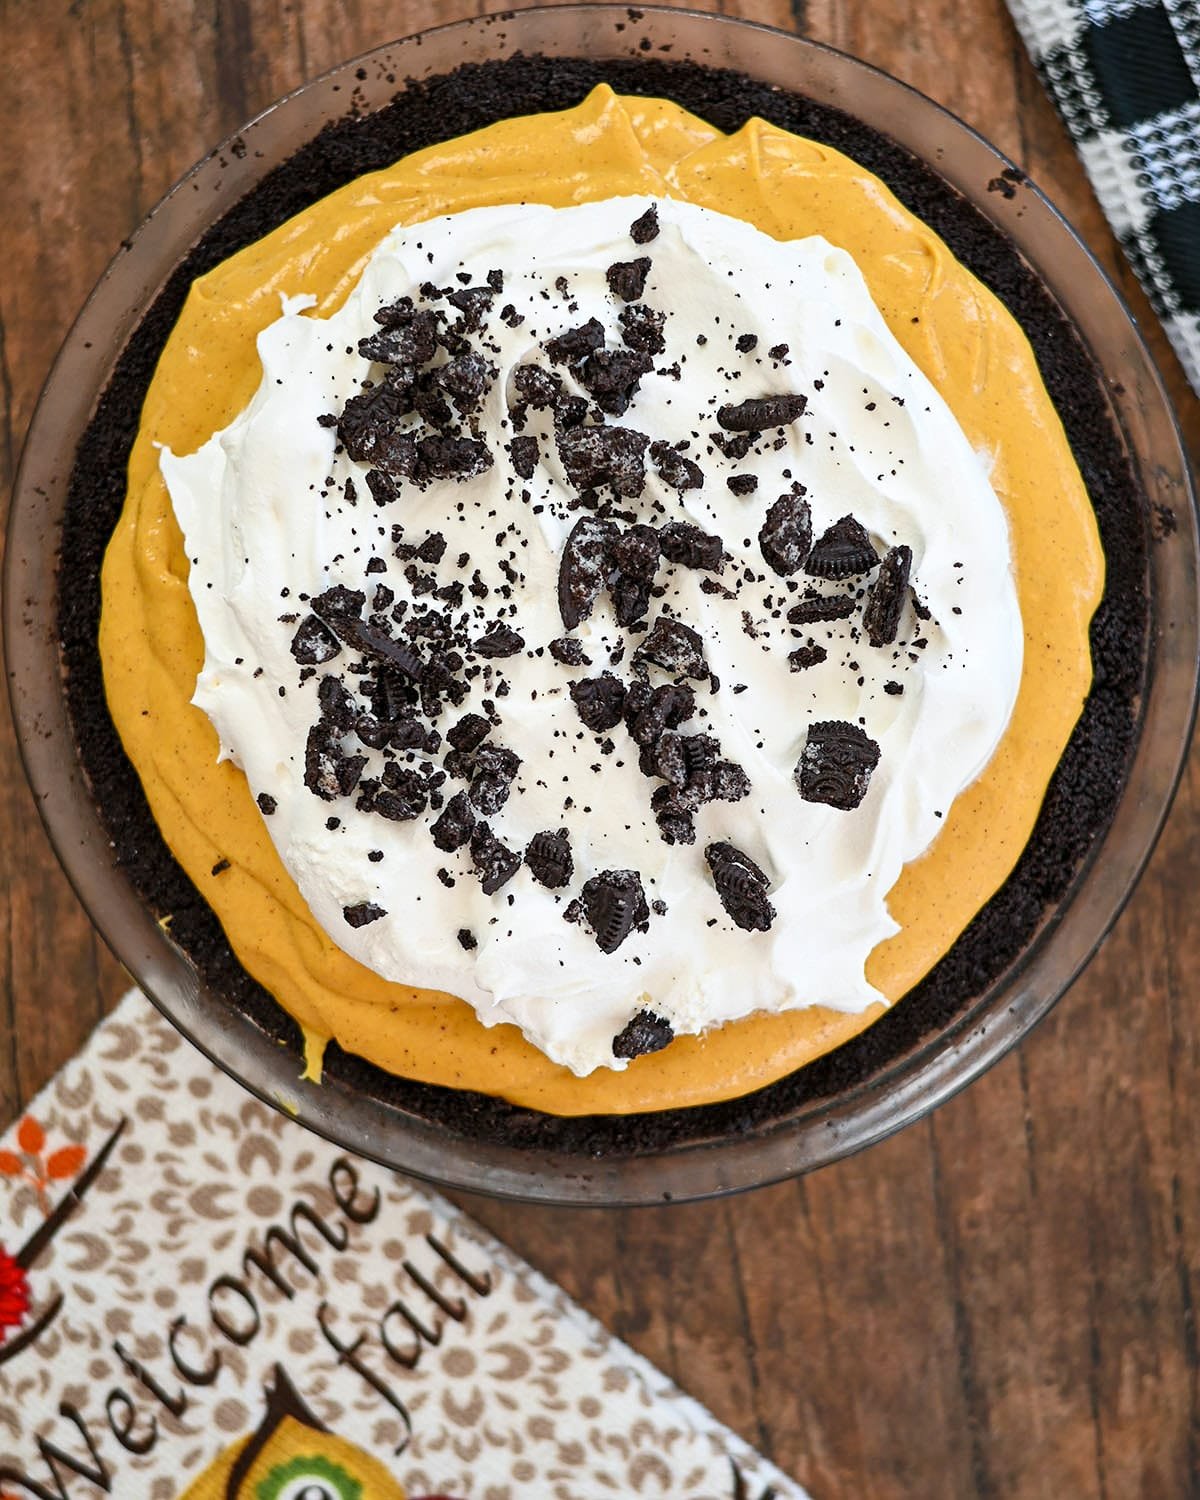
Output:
[[997, 1302]]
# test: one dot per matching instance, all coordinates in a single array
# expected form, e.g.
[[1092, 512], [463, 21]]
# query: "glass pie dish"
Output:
[[354, 1105]]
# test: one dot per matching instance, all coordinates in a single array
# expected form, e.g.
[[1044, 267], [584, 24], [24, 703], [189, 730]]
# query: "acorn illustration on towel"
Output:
[[293, 1456]]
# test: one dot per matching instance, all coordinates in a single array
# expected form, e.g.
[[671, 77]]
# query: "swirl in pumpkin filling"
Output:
[[796, 509]]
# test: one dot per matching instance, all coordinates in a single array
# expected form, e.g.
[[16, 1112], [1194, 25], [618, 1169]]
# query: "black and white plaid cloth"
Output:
[[1125, 75]]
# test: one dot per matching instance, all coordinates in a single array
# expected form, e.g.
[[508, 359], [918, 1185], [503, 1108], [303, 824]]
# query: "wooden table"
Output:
[[997, 1302]]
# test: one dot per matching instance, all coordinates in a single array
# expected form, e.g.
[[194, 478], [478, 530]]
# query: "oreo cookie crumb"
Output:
[[836, 763], [599, 701], [627, 278], [761, 413], [817, 608], [881, 617], [495, 863], [467, 939], [645, 1033], [548, 856], [785, 537], [645, 227], [843, 551], [614, 904], [741, 886], [363, 913], [267, 804]]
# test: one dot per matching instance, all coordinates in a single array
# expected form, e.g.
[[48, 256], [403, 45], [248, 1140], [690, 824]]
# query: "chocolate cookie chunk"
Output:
[[675, 647], [599, 701], [843, 551], [314, 643], [761, 413], [627, 278], [576, 343], [549, 859], [495, 863], [785, 537], [815, 608], [614, 904], [742, 887], [593, 456], [636, 554], [836, 763], [584, 567], [691, 547], [676, 470], [881, 618], [499, 641], [645, 1033], [645, 227], [362, 913], [454, 824]]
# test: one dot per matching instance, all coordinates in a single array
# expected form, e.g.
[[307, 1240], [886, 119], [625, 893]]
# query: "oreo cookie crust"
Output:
[[1082, 794]]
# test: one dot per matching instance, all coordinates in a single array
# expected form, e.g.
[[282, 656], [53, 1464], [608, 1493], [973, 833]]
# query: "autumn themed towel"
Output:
[[200, 1299]]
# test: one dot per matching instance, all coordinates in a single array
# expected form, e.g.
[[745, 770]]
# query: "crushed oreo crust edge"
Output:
[[1081, 796]]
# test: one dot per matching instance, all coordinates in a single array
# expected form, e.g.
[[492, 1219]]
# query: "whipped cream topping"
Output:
[[275, 513]]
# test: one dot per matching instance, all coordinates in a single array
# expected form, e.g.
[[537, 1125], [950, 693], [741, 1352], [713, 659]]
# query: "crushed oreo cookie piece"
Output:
[[495, 768], [691, 547], [576, 343], [400, 795], [815, 609], [495, 863], [636, 555], [455, 458], [454, 824], [803, 657], [675, 469], [466, 380], [611, 377], [568, 652], [584, 567], [549, 859], [893, 689], [761, 413], [675, 647], [539, 389], [645, 1033], [467, 939], [469, 733], [599, 701], [362, 913], [473, 302], [785, 537], [742, 484], [674, 809], [836, 763], [843, 551], [328, 773], [745, 342], [499, 641], [314, 643], [267, 804], [642, 328], [593, 456], [645, 227], [881, 617], [524, 454], [614, 904], [627, 278], [742, 887]]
